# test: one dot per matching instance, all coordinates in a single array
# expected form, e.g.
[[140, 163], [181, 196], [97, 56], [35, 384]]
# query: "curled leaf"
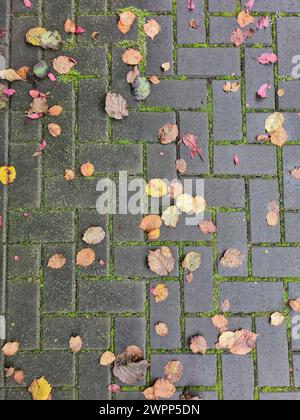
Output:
[[198, 345]]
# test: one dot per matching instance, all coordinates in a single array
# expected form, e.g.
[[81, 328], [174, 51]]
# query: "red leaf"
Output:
[[79, 30], [191, 141]]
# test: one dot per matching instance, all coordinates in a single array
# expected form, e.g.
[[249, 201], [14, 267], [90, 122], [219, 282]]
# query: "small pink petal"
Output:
[[249, 5], [79, 30], [102, 263], [262, 92], [263, 22], [42, 146], [114, 388], [34, 116], [27, 4], [268, 58], [152, 290], [191, 5], [16, 258], [35, 94], [9, 92], [52, 77], [236, 160], [2, 33]]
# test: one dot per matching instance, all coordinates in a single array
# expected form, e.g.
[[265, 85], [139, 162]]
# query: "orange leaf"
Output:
[[244, 19], [132, 57], [55, 111], [85, 257], [57, 261], [87, 169], [54, 130], [152, 28], [69, 26], [126, 21], [11, 348]]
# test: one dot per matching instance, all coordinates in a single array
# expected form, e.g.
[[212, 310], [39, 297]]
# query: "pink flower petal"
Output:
[[262, 92], [114, 388], [2, 33], [267, 58], [236, 160], [79, 30], [249, 5], [9, 92], [263, 22], [27, 4], [191, 5], [34, 116], [52, 77]]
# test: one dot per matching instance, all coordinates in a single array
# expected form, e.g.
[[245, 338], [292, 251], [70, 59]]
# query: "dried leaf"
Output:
[[75, 344], [69, 175], [154, 235], [232, 258], [85, 257], [193, 24], [229, 87], [40, 389], [181, 166], [11, 348], [192, 261], [160, 293], [262, 91], [116, 106], [295, 304], [173, 371], [64, 64], [164, 389], [207, 227], [57, 261], [168, 133], [244, 19], [225, 306], [107, 358], [152, 28], [149, 394], [161, 261], [274, 122], [267, 58], [244, 343], [237, 37], [55, 111], [161, 329], [175, 189], [114, 388], [51, 40], [154, 80], [150, 223], [220, 322], [166, 66], [132, 57], [10, 75], [171, 216], [263, 22], [70, 26], [273, 214], [8, 372], [132, 75], [281, 92], [54, 130], [34, 36], [156, 188], [198, 345], [126, 20], [87, 169], [94, 235], [295, 173], [7, 175], [185, 203], [277, 319], [191, 141], [279, 137], [199, 204], [132, 373]]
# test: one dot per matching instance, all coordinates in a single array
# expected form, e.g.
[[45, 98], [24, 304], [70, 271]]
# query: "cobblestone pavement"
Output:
[[111, 307]]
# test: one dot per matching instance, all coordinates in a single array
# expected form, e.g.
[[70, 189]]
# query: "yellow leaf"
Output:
[[274, 122], [34, 35], [156, 188], [185, 203], [7, 174], [40, 389], [10, 74]]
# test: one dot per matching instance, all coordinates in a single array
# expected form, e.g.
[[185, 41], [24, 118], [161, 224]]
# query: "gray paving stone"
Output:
[[263, 192], [24, 130], [272, 354], [198, 296], [59, 285], [41, 226], [254, 160], [57, 367], [28, 263], [18, 7], [197, 370], [201, 326], [221, 28], [22, 319], [90, 6], [256, 125], [128, 332], [179, 94], [56, 13], [161, 161], [195, 123], [229, 193], [275, 262], [160, 49], [208, 62], [288, 31], [137, 255], [238, 378], [169, 313], [59, 93], [91, 114], [294, 293], [151, 5], [288, 6], [126, 228], [142, 125], [111, 296], [279, 396], [291, 94], [292, 227], [291, 159], [296, 367], [252, 297], [232, 234], [221, 5], [89, 367], [186, 34], [3, 281], [94, 332], [223, 101], [257, 75], [106, 158], [185, 231], [23, 54]]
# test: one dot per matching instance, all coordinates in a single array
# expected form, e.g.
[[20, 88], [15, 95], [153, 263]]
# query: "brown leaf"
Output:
[[85, 257], [161, 329], [273, 213], [189, 278], [107, 358], [69, 175], [57, 261], [277, 319], [8, 372], [232, 258], [175, 189], [244, 19], [154, 80], [132, 57], [244, 343], [55, 111], [69, 26], [149, 394], [75, 344], [39, 106], [160, 293], [220, 322], [181, 166], [116, 106], [152, 28], [131, 373], [94, 235], [193, 24], [161, 261], [198, 345], [173, 371], [225, 306], [154, 235], [54, 130], [19, 377], [237, 37], [64, 64], [295, 304], [207, 227], [295, 173], [132, 75], [281, 92], [126, 20], [168, 133], [164, 388], [166, 66], [11, 348], [133, 353], [150, 223], [279, 137], [87, 169]]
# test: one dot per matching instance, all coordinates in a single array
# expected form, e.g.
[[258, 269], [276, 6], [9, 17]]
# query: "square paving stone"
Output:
[[186, 34], [222, 5], [28, 263], [129, 331], [161, 161], [275, 262]]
